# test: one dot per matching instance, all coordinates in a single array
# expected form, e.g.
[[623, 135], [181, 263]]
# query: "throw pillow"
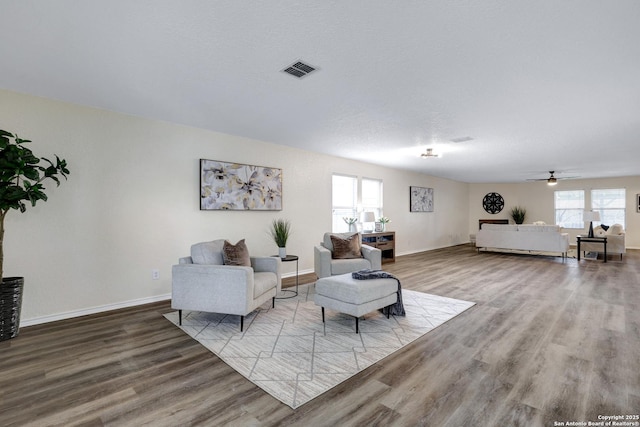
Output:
[[346, 248], [599, 232], [237, 254], [604, 227]]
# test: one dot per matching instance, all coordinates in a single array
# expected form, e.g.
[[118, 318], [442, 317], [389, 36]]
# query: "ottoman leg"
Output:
[[322, 314], [357, 330]]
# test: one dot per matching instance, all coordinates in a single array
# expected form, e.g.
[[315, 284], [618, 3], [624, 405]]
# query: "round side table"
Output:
[[290, 258]]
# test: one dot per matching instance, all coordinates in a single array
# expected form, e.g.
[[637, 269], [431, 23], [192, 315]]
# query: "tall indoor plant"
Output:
[[21, 182]]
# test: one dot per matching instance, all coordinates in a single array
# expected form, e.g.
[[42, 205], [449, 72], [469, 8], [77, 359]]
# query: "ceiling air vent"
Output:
[[299, 69]]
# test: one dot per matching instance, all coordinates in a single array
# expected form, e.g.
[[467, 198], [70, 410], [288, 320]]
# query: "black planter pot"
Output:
[[10, 305]]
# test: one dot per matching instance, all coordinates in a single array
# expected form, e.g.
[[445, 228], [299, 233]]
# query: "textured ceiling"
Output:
[[539, 85]]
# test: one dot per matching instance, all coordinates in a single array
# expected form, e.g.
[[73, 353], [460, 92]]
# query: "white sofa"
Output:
[[615, 240], [525, 237]]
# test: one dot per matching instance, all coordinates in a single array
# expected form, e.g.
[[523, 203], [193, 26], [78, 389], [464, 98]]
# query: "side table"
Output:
[[290, 258], [602, 240]]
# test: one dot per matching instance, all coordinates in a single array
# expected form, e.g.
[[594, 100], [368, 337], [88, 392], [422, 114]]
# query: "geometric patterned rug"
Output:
[[292, 355]]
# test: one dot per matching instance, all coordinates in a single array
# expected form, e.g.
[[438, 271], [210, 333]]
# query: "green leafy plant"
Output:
[[280, 231], [518, 214], [21, 178]]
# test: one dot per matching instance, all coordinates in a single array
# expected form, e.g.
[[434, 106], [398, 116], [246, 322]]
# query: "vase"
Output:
[[353, 227], [282, 252], [10, 305]]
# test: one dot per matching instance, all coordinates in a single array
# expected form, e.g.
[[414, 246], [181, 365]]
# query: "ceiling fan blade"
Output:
[[567, 177]]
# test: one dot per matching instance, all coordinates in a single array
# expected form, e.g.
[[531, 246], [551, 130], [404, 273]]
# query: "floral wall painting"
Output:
[[421, 199], [235, 186]]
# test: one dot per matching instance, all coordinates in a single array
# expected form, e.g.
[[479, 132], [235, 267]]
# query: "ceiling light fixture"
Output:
[[428, 154]]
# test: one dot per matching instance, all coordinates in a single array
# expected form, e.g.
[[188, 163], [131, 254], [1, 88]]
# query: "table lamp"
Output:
[[591, 216], [368, 217]]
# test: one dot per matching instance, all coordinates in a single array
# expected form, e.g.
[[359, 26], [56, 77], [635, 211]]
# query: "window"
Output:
[[372, 196], [569, 207], [611, 205], [344, 201], [352, 196]]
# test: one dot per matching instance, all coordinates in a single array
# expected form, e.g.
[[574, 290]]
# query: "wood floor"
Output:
[[548, 341]]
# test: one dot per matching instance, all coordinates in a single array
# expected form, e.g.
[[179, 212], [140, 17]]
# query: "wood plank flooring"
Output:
[[548, 341]]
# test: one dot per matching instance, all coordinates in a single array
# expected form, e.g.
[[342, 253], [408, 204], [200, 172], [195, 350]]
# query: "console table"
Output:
[[602, 240], [383, 240]]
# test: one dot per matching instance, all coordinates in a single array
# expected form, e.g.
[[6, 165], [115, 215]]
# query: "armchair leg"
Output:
[[241, 323], [273, 302], [322, 314], [180, 317], [357, 329]]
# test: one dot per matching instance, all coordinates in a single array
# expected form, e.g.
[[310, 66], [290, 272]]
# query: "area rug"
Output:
[[289, 353]]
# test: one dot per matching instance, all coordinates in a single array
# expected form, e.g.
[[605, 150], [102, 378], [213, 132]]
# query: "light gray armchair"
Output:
[[202, 282], [325, 265]]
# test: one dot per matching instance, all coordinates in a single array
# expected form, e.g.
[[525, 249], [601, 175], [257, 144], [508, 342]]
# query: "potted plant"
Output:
[[280, 231], [351, 222], [517, 214], [21, 181], [384, 221]]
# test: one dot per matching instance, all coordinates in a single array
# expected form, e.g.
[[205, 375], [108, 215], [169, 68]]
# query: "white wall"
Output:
[[538, 199], [131, 205]]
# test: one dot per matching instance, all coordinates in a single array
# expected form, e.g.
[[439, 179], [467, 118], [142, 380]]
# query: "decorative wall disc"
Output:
[[493, 203]]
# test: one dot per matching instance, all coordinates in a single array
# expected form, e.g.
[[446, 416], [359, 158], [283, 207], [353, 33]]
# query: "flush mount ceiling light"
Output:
[[299, 69], [428, 154]]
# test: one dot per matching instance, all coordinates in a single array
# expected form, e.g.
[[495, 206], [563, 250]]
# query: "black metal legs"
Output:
[[387, 308], [180, 317]]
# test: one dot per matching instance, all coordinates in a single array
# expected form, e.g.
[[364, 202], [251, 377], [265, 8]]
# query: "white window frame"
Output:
[[567, 216], [372, 202], [612, 211], [342, 210]]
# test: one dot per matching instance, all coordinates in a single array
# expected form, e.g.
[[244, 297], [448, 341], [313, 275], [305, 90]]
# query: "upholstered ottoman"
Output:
[[355, 297]]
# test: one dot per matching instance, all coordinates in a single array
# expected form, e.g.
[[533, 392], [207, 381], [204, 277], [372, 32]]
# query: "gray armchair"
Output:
[[201, 282], [325, 265]]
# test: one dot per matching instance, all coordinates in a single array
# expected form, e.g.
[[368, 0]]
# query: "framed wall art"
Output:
[[420, 199], [235, 186]]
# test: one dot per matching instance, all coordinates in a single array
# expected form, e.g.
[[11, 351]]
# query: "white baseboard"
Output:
[[92, 310], [109, 307]]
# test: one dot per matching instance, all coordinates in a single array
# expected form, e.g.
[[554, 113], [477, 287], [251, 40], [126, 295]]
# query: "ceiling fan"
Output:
[[552, 180]]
